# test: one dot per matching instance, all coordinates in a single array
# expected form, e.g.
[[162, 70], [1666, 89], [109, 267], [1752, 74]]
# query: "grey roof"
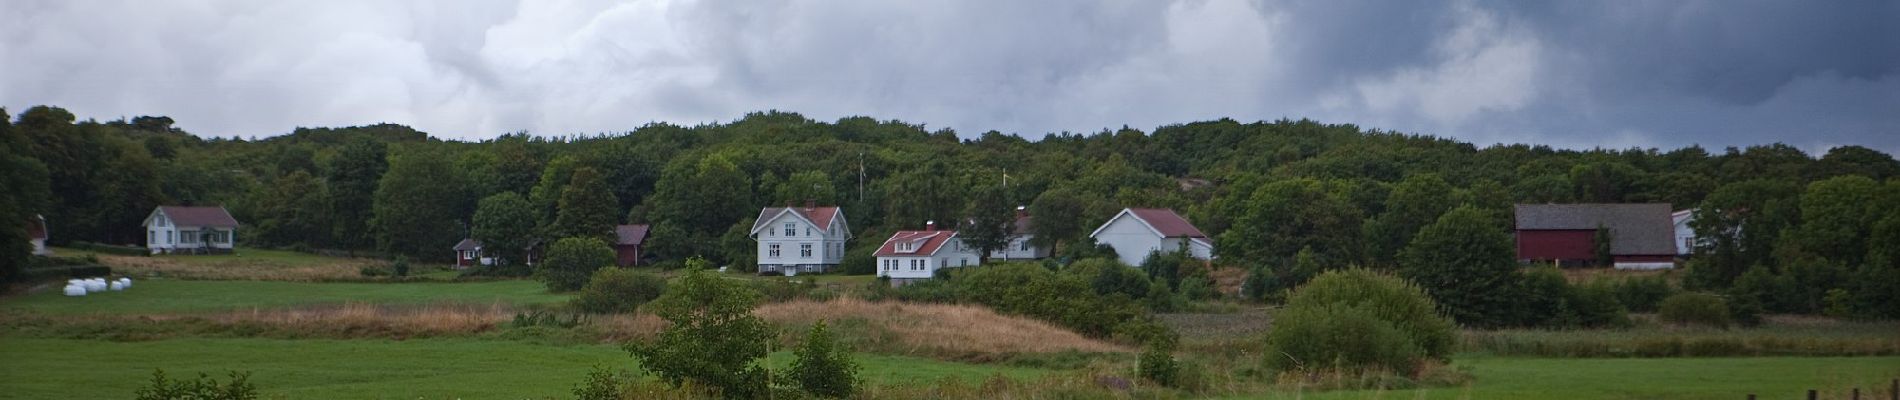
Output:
[[468, 244], [1635, 229]]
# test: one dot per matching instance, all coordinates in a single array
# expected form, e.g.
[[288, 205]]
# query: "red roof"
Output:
[[199, 216], [630, 234], [923, 243], [1169, 223], [820, 216]]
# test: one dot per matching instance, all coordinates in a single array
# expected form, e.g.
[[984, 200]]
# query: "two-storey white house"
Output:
[[800, 239], [1020, 246], [1137, 232], [910, 256], [193, 230]]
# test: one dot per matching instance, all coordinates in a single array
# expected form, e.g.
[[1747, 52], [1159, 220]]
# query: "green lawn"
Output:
[[182, 296], [364, 369], [1655, 378]]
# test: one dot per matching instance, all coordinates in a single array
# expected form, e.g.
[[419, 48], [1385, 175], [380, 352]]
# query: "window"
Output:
[[808, 231], [791, 229], [1025, 246], [771, 250], [468, 254], [168, 237], [151, 236], [916, 265], [804, 250], [964, 263]]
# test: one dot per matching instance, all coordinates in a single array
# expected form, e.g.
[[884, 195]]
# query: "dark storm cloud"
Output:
[[1574, 74]]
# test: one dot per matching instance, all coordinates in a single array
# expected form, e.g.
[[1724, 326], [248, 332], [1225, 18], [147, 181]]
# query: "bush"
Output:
[[1339, 336], [571, 261], [617, 290], [401, 266], [712, 337], [1695, 309], [599, 385], [1595, 306], [1386, 297], [1642, 294], [822, 368], [546, 319], [202, 388], [1157, 364], [1260, 285]]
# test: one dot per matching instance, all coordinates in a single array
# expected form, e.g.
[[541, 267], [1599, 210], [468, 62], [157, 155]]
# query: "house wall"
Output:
[[1653, 261], [951, 255], [39, 247], [627, 255], [827, 246], [1131, 239], [1556, 245], [1685, 236], [1014, 250]]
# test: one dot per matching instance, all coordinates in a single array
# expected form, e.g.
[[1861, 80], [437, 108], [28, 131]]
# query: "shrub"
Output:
[[1197, 288], [712, 339], [546, 319], [1157, 364], [372, 272], [1695, 309], [617, 290], [1387, 297], [202, 388], [1339, 336], [1261, 283], [598, 385], [401, 266], [1595, 305], [822, 368], [1642, 294], [860, 261], [1466, 262], [1115, 279], [571, 261]]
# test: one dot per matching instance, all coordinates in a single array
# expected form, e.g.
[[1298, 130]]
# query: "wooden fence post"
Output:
[[1751, 396], [1812, 395], [1893, 390], [1856, 395]]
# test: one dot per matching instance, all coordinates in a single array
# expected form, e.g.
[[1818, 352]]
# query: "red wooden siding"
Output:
[[627, 255], [1556, 245]]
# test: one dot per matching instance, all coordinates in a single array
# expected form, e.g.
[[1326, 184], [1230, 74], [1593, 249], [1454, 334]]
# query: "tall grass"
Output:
[[265, 265], [962, 332], [1781, 336]]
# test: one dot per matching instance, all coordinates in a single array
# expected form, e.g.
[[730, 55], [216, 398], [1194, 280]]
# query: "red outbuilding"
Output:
[[1641, 235]]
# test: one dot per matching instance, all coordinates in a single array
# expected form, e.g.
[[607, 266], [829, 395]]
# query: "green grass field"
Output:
[[1662, 378], [365, 369], [183, 296]]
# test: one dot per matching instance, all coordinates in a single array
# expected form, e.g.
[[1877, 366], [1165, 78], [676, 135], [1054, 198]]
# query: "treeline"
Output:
[[1266, 191]]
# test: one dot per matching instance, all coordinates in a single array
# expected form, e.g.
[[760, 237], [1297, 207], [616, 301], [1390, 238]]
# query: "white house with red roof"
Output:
[[36, 235], [800, 239], [1137, 232], [1020, 246], [916, 255], [192, 230]]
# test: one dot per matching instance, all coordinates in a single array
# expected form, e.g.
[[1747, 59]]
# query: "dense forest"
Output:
[[1273, 193]]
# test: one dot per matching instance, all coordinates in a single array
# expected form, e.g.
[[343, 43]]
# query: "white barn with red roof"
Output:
[[196, 230], [800, 239], [917, 255], [1137, 232]]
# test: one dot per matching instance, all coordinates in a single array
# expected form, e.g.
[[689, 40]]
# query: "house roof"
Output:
[[1021, 226], [819, 216], [923, 243], [1635, 229], [468, 244], [630, 234], [214, 216], [36, 227], [1164, 222]]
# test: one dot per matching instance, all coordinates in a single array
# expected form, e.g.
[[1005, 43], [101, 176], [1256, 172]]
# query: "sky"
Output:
[[1575, 74]]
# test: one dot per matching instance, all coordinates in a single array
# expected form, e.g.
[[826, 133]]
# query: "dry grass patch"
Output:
[[940, 330], [230, 267]]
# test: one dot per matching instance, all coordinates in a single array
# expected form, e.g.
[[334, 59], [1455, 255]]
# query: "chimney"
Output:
[[1022, 212], [788, 203], [810, 203], [930, 226]]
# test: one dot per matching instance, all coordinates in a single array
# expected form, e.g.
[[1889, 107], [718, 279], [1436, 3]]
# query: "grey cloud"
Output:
[[1574, 74]]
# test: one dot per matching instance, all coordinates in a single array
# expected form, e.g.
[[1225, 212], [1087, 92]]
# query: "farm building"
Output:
[[1641, 235], [1137, 232], [629, 240], [1020, 246], [800, 239], [917, 255], [36, 235], [468, 253], [1685, 235], [190, 230]]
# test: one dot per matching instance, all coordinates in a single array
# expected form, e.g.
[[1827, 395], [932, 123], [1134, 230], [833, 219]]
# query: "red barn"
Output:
[[1641, 235], [628, 240]]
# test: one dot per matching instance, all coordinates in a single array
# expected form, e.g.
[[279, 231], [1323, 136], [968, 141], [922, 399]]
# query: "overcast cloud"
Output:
[[1573, 74]]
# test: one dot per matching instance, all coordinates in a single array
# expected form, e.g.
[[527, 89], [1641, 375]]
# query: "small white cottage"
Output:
[[1020, 246], [190, 230], [800, 239], [1137, 232], [910, 256], [1685, 235], [36, 235]]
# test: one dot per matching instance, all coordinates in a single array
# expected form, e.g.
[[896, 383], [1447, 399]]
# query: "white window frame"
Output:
[[804, 250], [791, 229], [772, 250]]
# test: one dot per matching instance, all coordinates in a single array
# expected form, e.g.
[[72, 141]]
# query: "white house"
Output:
[[800, 239], [1020, 246], [917, 255], [1137, 232], [36, 235], [1685, 236], [194, 230]]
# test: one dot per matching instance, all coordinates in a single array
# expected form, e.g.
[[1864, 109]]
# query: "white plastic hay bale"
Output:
[[75, 290], [126, 282], [116, 286], [96, 285]]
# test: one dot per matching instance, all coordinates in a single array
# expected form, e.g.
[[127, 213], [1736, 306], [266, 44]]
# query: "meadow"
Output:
[[166, 296]]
